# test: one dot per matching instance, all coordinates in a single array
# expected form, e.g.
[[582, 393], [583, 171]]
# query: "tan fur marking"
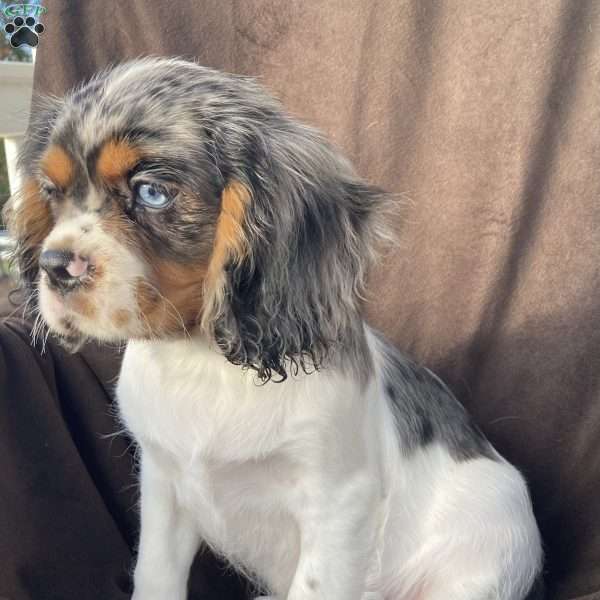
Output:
[[229, 237], [230, 242], [29, 220], [97, 271], [65, 243], [121, 317], [173, 304], [58, 166], [83, 306], [116, 159], [146, 296]]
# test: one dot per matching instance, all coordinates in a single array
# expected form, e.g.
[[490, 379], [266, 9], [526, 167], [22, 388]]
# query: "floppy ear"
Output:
[[293, 239], [26, 214]]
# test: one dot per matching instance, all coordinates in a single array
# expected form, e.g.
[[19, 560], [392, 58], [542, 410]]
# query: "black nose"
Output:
[[55, 263]]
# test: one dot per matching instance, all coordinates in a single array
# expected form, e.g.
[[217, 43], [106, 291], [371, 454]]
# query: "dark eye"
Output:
[[151, 195], [48, 191]]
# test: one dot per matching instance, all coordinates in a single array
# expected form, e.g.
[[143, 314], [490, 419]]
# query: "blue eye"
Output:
[[152, 196]]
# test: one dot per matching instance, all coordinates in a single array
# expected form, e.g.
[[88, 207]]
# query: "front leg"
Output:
[[338, 522], [168, 541]]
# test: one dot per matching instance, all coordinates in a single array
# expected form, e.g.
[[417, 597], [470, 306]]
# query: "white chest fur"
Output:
[[303, 483], [189, 400], [242, 456]]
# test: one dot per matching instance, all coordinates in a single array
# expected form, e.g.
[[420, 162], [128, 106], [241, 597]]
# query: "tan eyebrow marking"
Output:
[[116, 159], [58, 166]]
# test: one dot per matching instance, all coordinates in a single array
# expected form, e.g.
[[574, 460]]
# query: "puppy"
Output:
[[182, 211]]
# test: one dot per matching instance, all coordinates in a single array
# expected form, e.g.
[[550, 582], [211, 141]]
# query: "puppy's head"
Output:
[[163, 199]]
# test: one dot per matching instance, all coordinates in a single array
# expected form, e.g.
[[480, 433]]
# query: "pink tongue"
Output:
[[77, 267]]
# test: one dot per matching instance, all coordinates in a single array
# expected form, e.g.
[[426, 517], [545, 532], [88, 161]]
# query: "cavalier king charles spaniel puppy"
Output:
[[182, 211]]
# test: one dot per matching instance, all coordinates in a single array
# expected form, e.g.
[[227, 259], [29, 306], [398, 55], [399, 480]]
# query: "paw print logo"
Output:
[[24, 31]]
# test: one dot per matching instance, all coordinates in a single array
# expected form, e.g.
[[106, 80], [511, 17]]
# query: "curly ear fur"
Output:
[[288, 289]]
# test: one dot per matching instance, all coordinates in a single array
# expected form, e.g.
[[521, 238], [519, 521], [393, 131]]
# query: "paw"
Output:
[[24, 31], [153, 596], [159, 592]]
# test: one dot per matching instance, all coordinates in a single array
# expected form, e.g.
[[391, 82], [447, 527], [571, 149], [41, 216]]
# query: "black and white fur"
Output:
[[276, 427]]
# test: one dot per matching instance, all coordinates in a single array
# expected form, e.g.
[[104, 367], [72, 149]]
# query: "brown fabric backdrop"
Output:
[[483, 116]]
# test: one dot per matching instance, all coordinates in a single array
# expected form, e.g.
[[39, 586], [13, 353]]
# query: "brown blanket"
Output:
[[484, 118]]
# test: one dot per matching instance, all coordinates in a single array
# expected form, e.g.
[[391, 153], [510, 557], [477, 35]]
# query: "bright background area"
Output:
[[16, 82]]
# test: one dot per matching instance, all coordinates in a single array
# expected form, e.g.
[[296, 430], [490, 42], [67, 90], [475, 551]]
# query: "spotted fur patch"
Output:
[[120, 318], [84, 306]]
